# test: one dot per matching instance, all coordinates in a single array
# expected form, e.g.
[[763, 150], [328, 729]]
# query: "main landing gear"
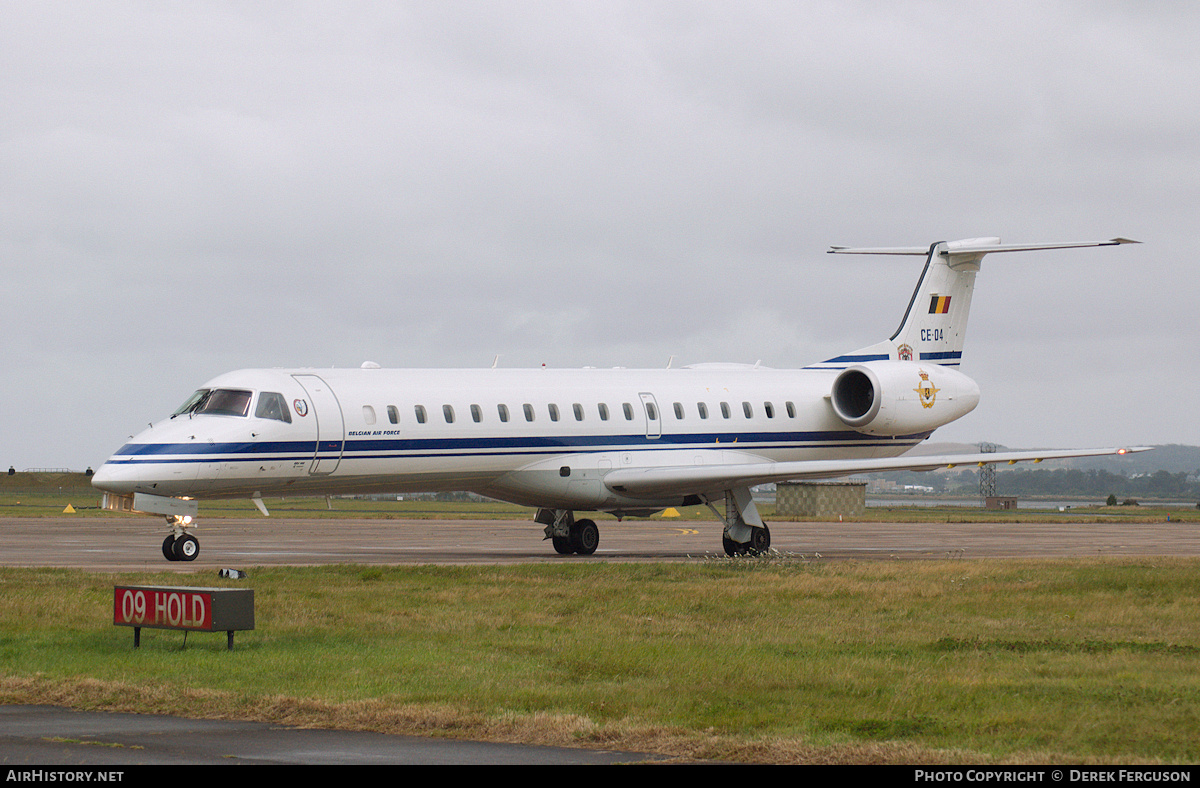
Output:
[[180, 545], [567, 534], [760, 543], [745, 532]]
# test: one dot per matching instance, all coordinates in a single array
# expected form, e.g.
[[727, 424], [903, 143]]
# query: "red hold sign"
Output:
[[162, 608], [177, 607]]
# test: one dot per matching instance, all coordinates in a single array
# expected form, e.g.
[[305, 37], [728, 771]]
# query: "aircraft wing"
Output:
[[693, 479]]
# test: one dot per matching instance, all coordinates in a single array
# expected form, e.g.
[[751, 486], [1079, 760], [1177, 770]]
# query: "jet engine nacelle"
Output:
[[901, 397]]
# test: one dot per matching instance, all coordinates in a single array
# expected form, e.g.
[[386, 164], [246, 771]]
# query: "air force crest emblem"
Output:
[[926, 391]]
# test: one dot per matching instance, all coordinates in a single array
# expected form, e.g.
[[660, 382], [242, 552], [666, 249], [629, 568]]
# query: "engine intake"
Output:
[[901, 397]]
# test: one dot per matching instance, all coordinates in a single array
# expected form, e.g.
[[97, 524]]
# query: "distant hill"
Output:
[[45, 481]]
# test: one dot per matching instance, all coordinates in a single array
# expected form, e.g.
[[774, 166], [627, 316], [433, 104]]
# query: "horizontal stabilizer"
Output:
[[696, 479], [975, 246]]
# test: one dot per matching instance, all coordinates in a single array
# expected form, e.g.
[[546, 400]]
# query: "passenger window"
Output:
[[553, 412], [448, 413], [272, 406], [528, 411], [368, 414], [503, 411], [393, 414], [603, 411], [679, 410], [746, 409], [703, 409], [420, 411], [724, 410], [651, 411], [791, 410], [769, 409], [476, 414], [578, 411], [625, 406]]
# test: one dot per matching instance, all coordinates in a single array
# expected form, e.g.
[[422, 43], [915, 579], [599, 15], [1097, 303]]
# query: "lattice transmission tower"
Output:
[[987, 474]]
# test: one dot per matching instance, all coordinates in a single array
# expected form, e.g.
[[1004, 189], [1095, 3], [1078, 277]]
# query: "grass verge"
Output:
[[762, 660]]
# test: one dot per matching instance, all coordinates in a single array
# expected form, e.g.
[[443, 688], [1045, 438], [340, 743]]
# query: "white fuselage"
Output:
[[541, 437]]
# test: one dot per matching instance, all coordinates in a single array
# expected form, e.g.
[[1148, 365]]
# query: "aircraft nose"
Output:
[[112, 478]]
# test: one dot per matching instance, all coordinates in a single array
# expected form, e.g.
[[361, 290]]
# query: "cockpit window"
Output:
[[217, 402], [225, 402], [272, 405], [192, 403]]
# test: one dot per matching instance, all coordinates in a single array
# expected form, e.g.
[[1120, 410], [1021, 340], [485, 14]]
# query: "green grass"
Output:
[[763, 660]]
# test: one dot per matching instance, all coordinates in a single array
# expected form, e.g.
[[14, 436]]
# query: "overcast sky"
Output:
[[192, 188]]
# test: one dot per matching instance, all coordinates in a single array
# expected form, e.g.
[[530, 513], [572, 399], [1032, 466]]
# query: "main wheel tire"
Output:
[[760, 541], [187, 547], [562, 545], [169, 548], [585, 537]]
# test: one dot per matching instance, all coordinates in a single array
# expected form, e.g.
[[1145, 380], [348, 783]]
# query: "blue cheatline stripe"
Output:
[[944, 357], [265, 447], [399, 448], [853, 359]]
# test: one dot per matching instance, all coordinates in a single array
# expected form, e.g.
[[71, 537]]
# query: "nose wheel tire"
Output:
[[182, 548]]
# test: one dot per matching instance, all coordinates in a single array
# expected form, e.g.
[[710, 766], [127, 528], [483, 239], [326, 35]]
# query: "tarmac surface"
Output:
[[134, 542], [39, 735], [46, 735]]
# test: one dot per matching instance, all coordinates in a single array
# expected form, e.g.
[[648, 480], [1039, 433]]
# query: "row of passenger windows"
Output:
[[577, 410]]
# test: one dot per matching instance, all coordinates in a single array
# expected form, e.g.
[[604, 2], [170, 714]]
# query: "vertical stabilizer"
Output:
[[935, 324]]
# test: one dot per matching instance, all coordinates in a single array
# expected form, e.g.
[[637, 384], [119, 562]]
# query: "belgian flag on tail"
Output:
[[939, 305]]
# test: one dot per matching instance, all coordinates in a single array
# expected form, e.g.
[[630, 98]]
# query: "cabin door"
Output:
[[653, 416], [331, 430]]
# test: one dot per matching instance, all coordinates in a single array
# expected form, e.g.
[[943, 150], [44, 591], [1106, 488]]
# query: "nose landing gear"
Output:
[[180, 545]]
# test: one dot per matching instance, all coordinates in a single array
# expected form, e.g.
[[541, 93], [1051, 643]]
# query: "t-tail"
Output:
[[935, 325]]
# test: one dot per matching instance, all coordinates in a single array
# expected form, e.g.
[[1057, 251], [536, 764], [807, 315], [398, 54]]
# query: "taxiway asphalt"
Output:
[[133, 543]]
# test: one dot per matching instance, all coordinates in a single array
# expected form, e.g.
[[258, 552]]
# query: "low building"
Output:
[[824, 499]]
